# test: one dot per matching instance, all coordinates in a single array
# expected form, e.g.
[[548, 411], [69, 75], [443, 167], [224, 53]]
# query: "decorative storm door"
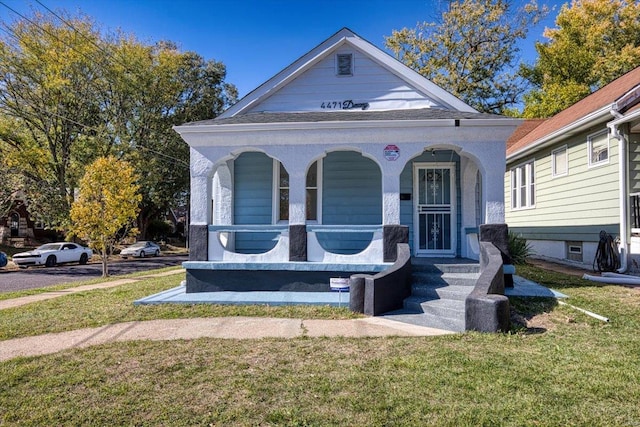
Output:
[[434, 218]]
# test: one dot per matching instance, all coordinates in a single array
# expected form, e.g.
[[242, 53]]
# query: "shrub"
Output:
[[519, 248]]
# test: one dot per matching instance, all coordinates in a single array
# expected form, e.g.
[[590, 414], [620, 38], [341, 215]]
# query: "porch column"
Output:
[[297, 216], [200, 210], [393, 232], [493, 193]]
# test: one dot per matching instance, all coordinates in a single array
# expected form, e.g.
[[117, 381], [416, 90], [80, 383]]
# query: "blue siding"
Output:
[[406, 186], [253, 180], [351, 194]]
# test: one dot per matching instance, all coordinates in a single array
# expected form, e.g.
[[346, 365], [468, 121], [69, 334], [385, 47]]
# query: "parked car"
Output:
[[52, 254], [141, 249], [3, 259]]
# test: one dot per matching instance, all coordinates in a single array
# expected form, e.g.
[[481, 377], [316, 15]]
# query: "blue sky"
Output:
[[256, 39]]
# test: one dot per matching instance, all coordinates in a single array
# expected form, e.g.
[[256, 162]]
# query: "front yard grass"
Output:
[[557, 367]]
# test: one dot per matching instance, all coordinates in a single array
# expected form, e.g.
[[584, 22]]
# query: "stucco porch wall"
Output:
[[298, 145]]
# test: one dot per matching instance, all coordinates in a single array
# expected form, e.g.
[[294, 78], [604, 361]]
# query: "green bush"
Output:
[[519, 248]]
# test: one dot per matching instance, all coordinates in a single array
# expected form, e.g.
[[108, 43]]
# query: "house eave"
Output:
[[337, 125], [600, 115]]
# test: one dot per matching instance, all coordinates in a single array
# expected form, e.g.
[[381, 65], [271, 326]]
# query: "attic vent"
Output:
[[344, 64]]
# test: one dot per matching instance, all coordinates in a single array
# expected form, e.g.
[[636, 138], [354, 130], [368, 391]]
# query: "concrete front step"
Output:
[[438, 295], [444, 279], [448, 308], [446, 268], [428, 320], [453, 292]]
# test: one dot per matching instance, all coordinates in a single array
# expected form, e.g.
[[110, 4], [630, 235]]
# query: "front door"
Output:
[[434, 209], [14, 225]]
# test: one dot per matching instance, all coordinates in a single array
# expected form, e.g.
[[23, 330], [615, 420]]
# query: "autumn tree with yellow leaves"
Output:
[[106, 205], [593, 43]]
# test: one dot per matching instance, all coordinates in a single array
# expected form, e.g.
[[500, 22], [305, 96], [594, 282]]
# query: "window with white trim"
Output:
[[523, 186], [559, 162], [598, 146], [313, 193]]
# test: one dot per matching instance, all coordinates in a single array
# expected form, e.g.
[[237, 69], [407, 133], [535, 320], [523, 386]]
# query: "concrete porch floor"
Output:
[[522, 288]]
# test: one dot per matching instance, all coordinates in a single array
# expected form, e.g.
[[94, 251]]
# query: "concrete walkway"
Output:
[[218, 327]]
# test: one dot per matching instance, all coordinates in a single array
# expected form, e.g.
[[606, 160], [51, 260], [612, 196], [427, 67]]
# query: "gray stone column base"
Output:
[[198, 242], [298, 242]]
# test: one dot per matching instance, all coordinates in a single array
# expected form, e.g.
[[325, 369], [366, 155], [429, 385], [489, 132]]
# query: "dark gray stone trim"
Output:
[[486, 307], [387, 290], [392, 235], [498, 234], [198, 242], [356, 292], [298, 242]]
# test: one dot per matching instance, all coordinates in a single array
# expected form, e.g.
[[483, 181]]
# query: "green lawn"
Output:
[[558, 367]]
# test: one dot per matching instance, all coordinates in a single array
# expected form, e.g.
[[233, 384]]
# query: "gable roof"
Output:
[[597, 107], [347, 37]]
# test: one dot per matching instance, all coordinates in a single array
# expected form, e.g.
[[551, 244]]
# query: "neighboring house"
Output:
[[577, 173], [336, 159], [17, 228]]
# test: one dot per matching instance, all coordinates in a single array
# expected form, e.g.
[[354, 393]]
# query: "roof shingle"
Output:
[[607, 95]]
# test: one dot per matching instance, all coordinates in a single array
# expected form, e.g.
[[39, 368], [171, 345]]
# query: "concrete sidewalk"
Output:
[[17, 302], [218, 327]]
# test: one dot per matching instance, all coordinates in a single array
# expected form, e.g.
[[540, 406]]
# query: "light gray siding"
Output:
[[320, 89]]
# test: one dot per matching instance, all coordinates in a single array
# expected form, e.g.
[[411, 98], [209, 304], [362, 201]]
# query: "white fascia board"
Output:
[[412, 77], [386, 124], [288, 74], [577, 126]]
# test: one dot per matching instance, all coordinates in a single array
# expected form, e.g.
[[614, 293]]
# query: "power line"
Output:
[[88, 127]]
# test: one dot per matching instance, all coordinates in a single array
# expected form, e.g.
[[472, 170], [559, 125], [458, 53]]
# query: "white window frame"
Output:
[[529, 186], [276, 194], [554, 154], [590, 140]]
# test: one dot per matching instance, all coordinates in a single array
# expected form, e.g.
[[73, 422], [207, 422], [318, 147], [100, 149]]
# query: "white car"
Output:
[[141, 249], [52, 254]]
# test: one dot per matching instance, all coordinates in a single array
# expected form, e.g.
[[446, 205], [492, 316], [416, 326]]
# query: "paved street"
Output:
[[38, 277]]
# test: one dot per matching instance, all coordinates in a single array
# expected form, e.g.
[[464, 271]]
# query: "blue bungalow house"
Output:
[[327, 166]]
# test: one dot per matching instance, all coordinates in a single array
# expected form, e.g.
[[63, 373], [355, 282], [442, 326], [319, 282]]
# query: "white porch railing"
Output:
[[218, 251], [374, 253]]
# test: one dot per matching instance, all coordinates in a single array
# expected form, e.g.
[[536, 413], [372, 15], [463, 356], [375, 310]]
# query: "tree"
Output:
[[47, 75], [160, 87], [107, 204], [77, 94], [472, 51], [593, 43]]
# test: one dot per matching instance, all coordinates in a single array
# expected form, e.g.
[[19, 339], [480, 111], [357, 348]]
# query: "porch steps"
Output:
[[438, 294]]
